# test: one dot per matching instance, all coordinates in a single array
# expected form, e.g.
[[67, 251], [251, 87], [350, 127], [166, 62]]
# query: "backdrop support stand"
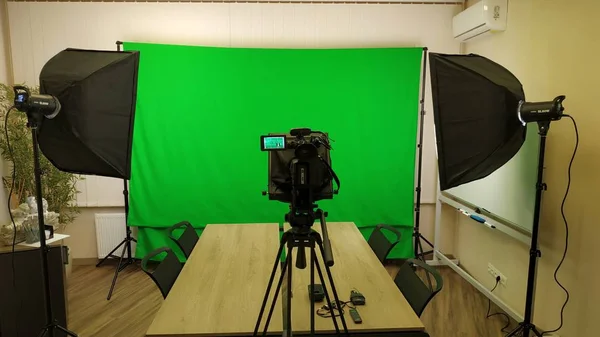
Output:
[[417, 236], [524, 328], [126, 243], [51, 324]]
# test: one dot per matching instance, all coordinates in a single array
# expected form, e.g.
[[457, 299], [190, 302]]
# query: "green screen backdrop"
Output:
[[201, 110]]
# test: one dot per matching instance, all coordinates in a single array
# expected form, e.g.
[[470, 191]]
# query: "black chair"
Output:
[[380, 243], [167, 271], [415, 290], [187, 240]]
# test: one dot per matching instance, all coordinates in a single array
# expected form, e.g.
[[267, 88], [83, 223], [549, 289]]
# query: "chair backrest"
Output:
[[187, 240], [167, 271], [380, 244], [417, 292]]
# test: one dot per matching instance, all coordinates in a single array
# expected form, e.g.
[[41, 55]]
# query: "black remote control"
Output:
[[355, 316]]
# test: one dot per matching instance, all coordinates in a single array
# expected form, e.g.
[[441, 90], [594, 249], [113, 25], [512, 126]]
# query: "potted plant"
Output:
[[58, 188]]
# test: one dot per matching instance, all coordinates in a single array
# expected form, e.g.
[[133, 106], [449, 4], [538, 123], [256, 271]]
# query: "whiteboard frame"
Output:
[[522, 236], [440, 259]]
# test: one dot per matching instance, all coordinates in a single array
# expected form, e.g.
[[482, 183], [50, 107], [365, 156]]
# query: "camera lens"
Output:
[[306, 151]]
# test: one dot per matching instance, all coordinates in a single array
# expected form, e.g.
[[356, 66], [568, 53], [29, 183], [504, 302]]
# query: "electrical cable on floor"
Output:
[[12, 187], [562, 212], [488, 315]]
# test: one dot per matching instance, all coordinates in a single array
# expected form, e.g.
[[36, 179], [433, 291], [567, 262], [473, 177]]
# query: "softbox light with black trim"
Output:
[[480, 115], [475, 106], [92, 133]]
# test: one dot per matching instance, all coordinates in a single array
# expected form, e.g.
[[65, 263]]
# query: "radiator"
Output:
[[110, 231]]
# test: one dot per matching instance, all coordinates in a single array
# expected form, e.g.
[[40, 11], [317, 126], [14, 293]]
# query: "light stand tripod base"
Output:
[[49, 331], [523, 331], [126, 243]]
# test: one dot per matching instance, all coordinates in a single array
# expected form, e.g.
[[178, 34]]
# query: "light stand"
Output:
[[33, 120], [534, 252], [417, 236], [126, 243]]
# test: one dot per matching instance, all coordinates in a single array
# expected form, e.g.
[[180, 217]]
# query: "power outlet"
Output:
[[495, 273]]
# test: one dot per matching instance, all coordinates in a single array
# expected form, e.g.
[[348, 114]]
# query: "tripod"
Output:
[[126, 243], [534, 253], [417, 236], [301, 236], [33, 120]]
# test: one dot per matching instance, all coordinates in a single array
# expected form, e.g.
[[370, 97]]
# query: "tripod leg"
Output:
[[329, 303], [111, 253], [288, 309], [422, 258], [423, 253], [312, 298], [68, 332], [275, 297], [268, 291], [117, 270], [516, 331], [425, 239], [127, 263], [333, 290], [44, 331]]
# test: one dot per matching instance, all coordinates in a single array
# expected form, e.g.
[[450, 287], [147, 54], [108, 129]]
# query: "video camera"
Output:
[[300, 170]]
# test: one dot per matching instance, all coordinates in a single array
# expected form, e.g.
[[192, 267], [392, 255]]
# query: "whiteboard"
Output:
[[508, 194]]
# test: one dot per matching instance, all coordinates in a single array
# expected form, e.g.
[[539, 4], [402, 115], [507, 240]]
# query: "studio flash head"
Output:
[[541, 111], [47, 105]]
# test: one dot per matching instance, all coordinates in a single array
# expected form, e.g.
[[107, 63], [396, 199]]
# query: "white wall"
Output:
[[40, 30], [4, 43], [6, 78]]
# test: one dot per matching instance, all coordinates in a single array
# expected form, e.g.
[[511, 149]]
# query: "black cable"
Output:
[[326, 312], [488, 315], [562, 212], [12, 187]]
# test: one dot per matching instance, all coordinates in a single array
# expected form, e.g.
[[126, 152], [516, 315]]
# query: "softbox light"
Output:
[[475, 106], [92, 133]]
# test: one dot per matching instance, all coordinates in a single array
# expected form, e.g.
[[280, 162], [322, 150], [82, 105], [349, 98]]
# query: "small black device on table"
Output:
[[357, 298], [355, 315], [317, 292]]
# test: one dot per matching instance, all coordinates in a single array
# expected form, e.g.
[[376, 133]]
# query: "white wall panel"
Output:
[[40, 30]]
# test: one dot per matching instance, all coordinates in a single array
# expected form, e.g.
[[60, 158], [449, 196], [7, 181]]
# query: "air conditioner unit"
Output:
[[484, 17]]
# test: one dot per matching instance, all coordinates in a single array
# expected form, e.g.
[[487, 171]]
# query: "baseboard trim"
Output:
[[87, 261]]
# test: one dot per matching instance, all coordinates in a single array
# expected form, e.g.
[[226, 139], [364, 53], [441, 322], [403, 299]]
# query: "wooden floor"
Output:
[[457, 311]]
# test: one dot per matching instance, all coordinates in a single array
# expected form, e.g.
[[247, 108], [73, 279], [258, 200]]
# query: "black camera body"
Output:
[[300, 170]]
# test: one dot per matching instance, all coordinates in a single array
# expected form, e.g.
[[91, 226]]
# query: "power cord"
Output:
[[326, 312], [562, 212], [12, 187], [488, 315]]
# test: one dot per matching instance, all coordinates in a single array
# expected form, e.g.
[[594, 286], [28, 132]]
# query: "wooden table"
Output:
[[356, 267], [221, 287]]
